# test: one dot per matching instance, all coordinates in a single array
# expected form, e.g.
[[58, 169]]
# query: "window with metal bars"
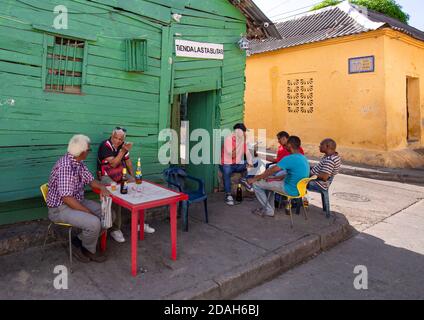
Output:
[[136, 50], [65, 65]]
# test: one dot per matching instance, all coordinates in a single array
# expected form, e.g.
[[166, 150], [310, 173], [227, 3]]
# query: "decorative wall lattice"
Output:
[[300, 95]]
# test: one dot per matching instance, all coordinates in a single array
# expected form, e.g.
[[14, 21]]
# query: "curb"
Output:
[[271, 265], [394, 175], [386, 176], [18, 237]]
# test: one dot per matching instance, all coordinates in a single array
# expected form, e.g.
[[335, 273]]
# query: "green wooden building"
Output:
[[91, 65]]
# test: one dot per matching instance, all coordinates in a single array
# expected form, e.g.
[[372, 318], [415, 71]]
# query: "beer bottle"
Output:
[[239, 194], [124, 182], [138, 174]]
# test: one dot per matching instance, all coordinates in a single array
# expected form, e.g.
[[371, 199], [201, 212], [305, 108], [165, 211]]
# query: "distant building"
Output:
[[347, 73]]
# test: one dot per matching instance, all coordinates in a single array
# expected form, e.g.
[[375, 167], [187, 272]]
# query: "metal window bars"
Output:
[[65, 66]]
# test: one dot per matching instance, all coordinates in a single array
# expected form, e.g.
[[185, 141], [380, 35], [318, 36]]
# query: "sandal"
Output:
[[258, 212]]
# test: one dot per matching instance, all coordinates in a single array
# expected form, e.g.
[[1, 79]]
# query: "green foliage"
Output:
[[325, 3], [388, 7]]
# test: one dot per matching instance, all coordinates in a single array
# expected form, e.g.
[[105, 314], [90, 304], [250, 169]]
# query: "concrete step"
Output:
[[271, 265], [21, 236]]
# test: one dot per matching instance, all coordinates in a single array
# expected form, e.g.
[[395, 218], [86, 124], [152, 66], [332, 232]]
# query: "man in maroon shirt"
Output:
[[113, 156], [282, 152]]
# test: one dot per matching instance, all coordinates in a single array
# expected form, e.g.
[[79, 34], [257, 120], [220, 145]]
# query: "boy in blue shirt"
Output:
[[297, 167]]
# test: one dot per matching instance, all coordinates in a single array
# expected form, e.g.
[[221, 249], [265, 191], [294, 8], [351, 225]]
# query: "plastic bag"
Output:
[[106, 213]]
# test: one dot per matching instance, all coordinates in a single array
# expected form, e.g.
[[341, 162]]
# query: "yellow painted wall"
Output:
[[404, 57], [346, 107], [351, 108]]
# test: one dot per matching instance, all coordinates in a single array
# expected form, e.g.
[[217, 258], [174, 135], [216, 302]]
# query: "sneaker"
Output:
[[117, 236], [269, 214], [262, 213], [248, 186], [147, 228], [229, 200]]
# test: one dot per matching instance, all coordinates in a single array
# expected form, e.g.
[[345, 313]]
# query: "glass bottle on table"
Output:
[[138, 176], [124, 182]]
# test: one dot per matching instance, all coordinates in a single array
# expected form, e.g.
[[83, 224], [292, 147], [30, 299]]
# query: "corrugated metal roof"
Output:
[[396, 25], [331, 22]]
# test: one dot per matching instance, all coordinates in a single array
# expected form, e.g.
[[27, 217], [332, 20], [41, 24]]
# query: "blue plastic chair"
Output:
[[325, 198], [178, 178]]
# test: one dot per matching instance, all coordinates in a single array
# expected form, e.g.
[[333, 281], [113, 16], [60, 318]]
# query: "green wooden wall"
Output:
[[35, 130]]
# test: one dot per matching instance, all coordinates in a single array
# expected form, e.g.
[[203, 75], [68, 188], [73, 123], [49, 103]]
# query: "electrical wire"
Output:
[[291, 16], [291, 11], [276, 7]]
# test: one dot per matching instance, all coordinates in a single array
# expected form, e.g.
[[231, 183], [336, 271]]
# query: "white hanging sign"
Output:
[[191, 49]]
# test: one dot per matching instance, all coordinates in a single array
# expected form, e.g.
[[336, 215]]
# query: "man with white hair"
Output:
[[113, 156], [66, 201]]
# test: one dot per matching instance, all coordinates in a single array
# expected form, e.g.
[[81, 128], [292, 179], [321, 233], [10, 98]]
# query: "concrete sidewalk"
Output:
[[392, 251], [234, 252]]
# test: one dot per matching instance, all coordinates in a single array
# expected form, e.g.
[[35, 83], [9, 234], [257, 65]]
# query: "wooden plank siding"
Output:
[[34, 132]]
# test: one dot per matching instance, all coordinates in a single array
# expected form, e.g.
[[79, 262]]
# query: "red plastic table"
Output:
[[137, 216]]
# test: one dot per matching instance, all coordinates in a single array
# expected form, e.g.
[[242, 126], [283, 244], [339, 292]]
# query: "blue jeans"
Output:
[[227, 170], [315, 187]]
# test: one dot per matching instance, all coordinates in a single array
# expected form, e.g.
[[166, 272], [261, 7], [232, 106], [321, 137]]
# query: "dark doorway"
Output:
[[190, 112]]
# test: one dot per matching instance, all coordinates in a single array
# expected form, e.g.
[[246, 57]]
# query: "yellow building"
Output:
[[342, 72]]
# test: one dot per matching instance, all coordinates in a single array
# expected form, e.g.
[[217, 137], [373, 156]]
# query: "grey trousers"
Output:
[[265, 193], [89, 224]]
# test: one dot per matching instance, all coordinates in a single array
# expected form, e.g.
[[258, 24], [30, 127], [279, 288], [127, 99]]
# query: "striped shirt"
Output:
[[67, 179], [329, 165]]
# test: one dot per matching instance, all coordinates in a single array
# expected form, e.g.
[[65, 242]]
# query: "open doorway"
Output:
[[413, 110], [191, 111]]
